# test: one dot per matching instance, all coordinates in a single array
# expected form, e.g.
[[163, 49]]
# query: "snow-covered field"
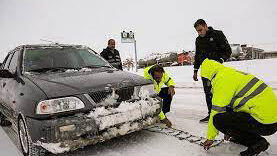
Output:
[[188, 107]]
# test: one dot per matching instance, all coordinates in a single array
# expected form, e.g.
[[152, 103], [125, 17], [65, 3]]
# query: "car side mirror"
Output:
[[6, 74]]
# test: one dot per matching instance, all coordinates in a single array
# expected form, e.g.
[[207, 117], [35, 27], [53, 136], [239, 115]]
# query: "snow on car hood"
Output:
[[73, 83]]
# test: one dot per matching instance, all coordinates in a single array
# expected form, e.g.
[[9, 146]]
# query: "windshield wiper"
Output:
[[97, 66], [52, 69]]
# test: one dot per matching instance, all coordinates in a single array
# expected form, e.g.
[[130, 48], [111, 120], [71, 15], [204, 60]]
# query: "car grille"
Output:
[[99, 96], [123, 93]]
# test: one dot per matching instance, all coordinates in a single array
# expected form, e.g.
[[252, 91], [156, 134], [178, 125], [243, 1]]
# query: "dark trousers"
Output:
[[242, 127], [166, 99], [208, 93]]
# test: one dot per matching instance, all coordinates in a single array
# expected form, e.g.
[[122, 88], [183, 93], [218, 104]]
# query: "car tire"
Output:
[[2, 118], [4, 121], [27, 146]]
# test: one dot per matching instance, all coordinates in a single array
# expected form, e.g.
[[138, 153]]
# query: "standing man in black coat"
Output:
[[210, 44], [112, 55]]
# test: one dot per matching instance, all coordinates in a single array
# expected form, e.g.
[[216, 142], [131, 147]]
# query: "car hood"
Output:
[[74, 83]]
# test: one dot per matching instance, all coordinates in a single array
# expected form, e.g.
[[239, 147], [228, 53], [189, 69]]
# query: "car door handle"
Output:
[[4, 84]]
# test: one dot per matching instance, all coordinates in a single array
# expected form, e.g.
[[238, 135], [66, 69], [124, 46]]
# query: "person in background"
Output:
[[112, 55], [210, 44]]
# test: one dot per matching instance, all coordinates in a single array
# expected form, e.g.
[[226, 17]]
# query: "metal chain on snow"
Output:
[[181, 135]]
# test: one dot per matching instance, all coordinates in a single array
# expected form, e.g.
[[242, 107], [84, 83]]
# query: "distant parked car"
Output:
[[63, 97]]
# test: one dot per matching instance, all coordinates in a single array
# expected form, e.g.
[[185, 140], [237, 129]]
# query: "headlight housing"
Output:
[[58, 105], [144, 91]]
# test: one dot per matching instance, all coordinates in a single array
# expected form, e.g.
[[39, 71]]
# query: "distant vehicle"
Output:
[[184, 59], [63, 97], [237, 52]]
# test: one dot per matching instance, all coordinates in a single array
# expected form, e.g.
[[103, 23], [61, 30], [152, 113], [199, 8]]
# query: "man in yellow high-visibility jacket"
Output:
[[244, 108], [160, 78]]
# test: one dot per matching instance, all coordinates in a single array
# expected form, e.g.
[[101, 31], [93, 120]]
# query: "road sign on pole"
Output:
[[129, 37]]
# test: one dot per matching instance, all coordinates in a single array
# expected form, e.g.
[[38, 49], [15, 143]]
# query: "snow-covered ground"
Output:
[[188, 107]]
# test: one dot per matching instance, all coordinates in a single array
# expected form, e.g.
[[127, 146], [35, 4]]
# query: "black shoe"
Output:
[[256, 149], [238, 141], [205, 120], [5, 123]]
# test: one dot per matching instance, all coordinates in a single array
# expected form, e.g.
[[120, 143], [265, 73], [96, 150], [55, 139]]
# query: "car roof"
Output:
[[52, 45], [55, 45]]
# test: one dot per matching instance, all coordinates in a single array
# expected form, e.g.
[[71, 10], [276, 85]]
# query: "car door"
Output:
[[5, 65], [10, 87]]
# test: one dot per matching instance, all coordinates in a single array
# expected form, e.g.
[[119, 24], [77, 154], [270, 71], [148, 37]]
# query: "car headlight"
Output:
[[144, 91], [59, 105]]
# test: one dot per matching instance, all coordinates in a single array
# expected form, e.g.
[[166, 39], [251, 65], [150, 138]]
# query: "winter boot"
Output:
[[256, 149], [205, 120], [238, 141]]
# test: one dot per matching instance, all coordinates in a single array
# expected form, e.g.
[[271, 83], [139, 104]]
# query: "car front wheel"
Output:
[[27, 146]]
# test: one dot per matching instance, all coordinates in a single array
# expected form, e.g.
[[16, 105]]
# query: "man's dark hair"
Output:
[[110, 40], [199, 22], [156, 68]]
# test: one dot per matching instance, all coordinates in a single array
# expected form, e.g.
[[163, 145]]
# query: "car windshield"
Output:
[[57, 59]]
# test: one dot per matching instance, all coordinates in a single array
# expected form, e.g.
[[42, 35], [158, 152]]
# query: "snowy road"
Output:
[[187, 108]]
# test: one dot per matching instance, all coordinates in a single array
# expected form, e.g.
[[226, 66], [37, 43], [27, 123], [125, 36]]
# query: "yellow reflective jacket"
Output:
[[166, 80], [240, 91]]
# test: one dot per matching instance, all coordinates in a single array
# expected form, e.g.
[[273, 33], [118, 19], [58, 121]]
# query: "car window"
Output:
[[7, 61], [13, 63], [66, 57], [91, 59]]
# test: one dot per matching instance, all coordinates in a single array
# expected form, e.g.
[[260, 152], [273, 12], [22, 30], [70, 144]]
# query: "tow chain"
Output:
[[181, 135]]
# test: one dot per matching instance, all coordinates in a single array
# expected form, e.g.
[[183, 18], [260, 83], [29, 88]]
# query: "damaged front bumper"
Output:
[[70, 133]]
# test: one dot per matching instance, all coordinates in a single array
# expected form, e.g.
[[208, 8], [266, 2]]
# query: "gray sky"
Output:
[[159, 25]]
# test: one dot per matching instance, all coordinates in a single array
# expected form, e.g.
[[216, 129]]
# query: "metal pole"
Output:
[[135, 44], [253, 55]]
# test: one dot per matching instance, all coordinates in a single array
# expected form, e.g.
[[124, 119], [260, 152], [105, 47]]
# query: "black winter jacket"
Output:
[[112, 57], [213, 46]]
